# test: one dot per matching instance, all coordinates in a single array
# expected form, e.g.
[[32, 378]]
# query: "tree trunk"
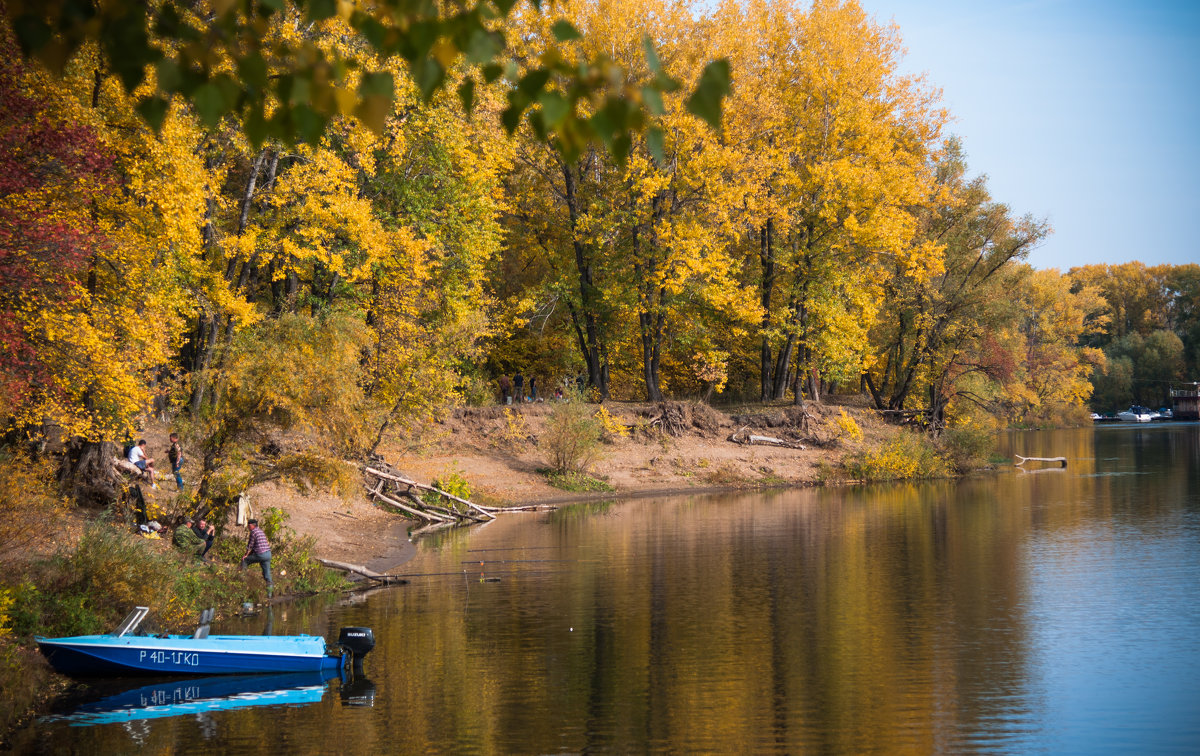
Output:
[[766, 255], [591, 342], [651, 328], [86, 473], [782, 364]]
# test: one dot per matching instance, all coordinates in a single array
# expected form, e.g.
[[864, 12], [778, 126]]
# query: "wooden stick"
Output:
[[356, 569], [1023, 460], [410, 510]]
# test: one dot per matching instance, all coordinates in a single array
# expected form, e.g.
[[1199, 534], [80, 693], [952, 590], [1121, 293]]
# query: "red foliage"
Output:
[[50, 174]]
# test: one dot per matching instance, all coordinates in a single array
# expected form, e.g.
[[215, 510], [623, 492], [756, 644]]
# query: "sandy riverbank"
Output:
[[497, 450]]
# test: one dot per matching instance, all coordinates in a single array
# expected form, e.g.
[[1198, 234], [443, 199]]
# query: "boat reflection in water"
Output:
[[198, 695]]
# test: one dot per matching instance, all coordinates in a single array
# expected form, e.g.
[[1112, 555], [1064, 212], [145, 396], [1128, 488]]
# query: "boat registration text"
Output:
[[173, 657]]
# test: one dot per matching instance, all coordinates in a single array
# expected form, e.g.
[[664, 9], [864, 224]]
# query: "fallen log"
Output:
[[360, 570], [129, 468], [740, 436], [1022, 460]]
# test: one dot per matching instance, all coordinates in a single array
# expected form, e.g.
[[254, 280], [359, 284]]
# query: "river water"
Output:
[[1051, 611]]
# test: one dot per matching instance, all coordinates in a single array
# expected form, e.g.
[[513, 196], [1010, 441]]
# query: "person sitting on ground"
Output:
[[137, 455], [205, 532], [258, 549]]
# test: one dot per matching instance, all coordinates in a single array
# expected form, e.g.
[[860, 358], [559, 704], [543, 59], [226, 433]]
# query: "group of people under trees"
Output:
[[197, 530], [514, 388], [136, 454]]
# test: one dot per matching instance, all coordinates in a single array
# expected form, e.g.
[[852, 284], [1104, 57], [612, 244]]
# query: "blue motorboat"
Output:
[[126, 651], [198, 695]]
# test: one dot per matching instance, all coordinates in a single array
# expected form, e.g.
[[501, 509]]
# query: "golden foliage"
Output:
[[27, 506]]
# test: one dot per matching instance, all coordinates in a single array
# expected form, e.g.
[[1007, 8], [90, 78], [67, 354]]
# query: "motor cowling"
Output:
[[356, 641]]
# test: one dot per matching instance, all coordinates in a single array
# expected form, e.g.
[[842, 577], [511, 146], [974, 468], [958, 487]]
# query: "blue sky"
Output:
[[1084, 113]]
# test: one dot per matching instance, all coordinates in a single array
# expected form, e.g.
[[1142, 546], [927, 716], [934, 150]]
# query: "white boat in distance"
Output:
[[1136, 414]]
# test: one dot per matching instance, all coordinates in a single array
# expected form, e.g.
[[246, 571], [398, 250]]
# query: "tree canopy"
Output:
[[330, 220]]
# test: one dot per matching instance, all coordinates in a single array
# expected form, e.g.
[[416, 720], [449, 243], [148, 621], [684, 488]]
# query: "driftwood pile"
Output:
[[385, 485]]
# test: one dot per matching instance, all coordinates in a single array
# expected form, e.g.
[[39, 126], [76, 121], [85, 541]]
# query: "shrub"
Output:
[[847, 427], [613, 428], [274, 524], [452, 482], [572, 437], [515, 428], [903, 457], [576, 481], [25, 499], [968, 446]]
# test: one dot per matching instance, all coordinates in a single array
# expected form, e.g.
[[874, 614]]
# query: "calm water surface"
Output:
[[1051, 611]]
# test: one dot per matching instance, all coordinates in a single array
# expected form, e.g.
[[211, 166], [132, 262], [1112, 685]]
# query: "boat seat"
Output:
[[205, 618]]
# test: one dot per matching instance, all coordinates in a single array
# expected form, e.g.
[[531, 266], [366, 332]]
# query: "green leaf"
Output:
[[309, 124], [653, 101], [377, 91], [466, 94], [564, 32], [654, 143], [492, 72], [319, 10], [510, 117], [375, 32], [621, 146], [255, 125], [482, 46], [531, 83], [170, 79], [428, 75], [554, 108], [712, 88], [127, 44], [209, 104], [537, 122], [253, 71], [651, 55], [377, 83], [154, 110]]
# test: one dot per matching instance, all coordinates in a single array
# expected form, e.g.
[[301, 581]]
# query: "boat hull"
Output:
[[87, 655]]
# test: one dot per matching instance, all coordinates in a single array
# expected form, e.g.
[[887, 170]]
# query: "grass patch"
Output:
[[576, 482], [725, 475]]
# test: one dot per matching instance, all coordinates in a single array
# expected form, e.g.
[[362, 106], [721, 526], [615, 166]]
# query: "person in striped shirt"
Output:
[[258, 550]]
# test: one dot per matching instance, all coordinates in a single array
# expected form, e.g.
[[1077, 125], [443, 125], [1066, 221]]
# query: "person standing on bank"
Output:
[[258, 549], [519, 386], [175, 457]]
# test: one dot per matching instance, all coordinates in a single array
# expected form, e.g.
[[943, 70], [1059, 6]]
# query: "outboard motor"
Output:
[[357, 642]]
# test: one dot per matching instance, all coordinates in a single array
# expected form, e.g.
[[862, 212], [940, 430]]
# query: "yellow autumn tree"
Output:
[[847, 138]]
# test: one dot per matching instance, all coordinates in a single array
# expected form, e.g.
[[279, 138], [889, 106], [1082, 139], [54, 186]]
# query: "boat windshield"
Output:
[[131, 622]]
